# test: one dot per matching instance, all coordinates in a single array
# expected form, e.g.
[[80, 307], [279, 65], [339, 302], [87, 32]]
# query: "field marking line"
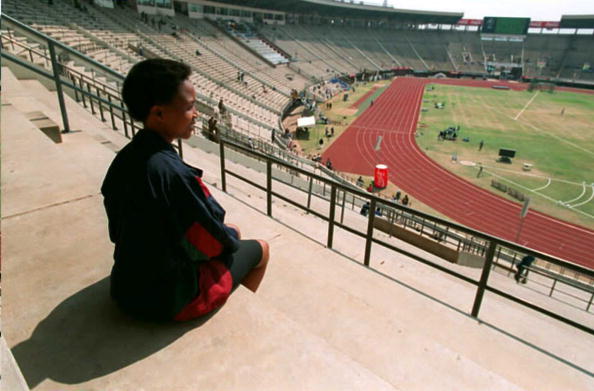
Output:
[[585, 202], [521, 186], [526, 106], [560, 139], [578, 197], [553, 135], [543, 187], [548, 198]]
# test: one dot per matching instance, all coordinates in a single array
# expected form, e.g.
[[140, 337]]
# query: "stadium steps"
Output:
[[154, 39], [50, 199], [318, 322]]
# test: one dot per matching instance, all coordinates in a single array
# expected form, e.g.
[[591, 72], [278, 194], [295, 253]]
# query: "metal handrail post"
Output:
[[309, 192], [513, 264], [391, 218], [124, 119], [269, 187], [73, 79], [222, 156], [91, 98], [82, 91], [480, 291], [332, 214], [342, 206], [369, 235], [553, 287], [113, 124], [100, 104], [59, 91]]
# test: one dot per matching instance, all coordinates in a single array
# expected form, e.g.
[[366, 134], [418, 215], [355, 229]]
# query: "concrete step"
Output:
[[246, 345], [377, 318]]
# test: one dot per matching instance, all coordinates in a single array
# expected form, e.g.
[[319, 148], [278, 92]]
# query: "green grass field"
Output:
[[554, 133]]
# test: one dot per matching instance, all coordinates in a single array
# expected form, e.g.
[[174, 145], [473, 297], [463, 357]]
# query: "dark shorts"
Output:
[[244, 260], [220, 280]]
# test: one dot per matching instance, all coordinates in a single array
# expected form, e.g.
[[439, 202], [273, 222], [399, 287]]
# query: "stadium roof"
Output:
[[577, 21], [350, 9]]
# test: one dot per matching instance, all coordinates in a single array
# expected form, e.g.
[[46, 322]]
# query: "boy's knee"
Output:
[[265, 252], [236, 228]]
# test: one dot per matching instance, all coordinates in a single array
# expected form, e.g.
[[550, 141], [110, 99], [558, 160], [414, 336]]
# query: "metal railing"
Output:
[[100, 98], [493, 244], [504, 259]]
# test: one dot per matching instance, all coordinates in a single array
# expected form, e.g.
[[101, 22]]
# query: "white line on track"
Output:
[[526, 106], [543, 187]]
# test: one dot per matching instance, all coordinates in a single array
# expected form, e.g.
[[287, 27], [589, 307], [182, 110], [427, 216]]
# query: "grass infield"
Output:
[[554, 132]]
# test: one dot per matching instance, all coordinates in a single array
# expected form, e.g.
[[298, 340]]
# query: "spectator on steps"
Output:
[[405, 200], [522, 272], [360, 181], [396, 196], [364, 209], [213, 130], [175, 258]]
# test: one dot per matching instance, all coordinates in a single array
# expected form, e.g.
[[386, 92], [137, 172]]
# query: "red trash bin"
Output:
[[380, 177]]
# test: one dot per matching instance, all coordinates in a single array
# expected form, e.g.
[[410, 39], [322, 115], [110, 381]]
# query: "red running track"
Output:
[[394, 116], [362, 99]]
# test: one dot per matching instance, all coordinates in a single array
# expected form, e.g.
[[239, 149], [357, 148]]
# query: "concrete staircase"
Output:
[[320, 320]]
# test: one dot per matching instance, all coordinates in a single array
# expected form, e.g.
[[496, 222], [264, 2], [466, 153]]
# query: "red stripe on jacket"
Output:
[[203, 241]]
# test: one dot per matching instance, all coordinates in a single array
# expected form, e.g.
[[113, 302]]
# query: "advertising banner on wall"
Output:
[[470, 22], [544, 25]]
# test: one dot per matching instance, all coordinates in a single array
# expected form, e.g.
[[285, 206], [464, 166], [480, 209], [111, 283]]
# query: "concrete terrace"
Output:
[[320, 321]]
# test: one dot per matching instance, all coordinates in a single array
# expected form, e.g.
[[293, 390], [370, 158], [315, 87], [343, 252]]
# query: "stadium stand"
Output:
[[286, 334], [323, 318]]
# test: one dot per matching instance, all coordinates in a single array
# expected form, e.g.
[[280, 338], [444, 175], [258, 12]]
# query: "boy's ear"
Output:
[[156, 111]]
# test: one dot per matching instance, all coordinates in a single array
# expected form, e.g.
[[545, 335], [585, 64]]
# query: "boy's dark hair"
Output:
[[152, 82]]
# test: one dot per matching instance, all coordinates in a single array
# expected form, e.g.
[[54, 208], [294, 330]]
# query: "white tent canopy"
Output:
[[306, 121]]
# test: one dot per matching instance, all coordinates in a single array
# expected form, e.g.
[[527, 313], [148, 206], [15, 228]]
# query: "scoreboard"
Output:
[[509, 26]]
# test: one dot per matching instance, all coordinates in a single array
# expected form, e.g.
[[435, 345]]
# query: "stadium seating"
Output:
[[317, 308]]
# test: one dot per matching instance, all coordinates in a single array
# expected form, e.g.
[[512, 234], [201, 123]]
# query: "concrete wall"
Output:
[[417, 240], [471, 260]]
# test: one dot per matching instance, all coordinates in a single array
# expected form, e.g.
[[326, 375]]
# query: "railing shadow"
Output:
[[86, 336]]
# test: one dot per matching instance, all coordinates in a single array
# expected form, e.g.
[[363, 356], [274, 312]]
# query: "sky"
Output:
[[541, 10]]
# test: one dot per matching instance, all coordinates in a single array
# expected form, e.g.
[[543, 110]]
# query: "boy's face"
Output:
[[178, 116]]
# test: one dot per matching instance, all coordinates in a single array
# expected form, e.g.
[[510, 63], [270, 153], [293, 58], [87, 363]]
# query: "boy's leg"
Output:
[[253, 279], [236, 228]]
